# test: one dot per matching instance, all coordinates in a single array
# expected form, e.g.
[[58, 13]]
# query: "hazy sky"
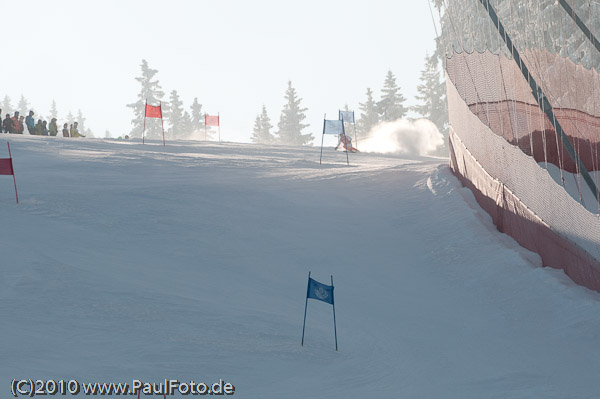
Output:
[[233, 55]]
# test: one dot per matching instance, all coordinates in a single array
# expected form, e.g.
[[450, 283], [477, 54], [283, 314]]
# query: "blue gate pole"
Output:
[[334, 324], [305, 306]]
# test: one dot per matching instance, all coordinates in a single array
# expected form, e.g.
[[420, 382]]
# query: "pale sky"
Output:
[[233, 55]]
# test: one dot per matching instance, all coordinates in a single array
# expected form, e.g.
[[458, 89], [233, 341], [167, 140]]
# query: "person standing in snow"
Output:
[[44, 128], [15, 120], [66, 130], [53, 128], [7, 124], [75, 131], [30, 123], [38, 128], [20, 125]]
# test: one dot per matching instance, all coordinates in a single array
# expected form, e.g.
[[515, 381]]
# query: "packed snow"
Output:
[[127, 261]]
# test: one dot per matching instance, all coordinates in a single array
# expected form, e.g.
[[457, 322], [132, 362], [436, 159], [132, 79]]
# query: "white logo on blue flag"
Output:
[[320, 291]]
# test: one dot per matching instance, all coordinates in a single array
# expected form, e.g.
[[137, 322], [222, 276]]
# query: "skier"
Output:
[[347, 142]]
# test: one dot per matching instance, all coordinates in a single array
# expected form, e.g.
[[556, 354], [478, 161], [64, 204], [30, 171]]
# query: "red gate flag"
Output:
[[6, 166], [153, 111], [211, 120]]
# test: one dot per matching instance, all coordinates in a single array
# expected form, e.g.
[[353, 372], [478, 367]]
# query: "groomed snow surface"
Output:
[[127, 261]]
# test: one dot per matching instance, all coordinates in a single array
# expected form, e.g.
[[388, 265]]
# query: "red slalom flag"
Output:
[[6, 168], [211, 120], [153, 111]]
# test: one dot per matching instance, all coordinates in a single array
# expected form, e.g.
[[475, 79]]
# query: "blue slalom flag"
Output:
[[320, 291], [347, 116], [333, 127]]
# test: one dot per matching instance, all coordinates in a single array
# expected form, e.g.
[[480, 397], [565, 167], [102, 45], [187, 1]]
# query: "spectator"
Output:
[[53, 128], [71, 131], [75, 131], [44, 128], [38, 128], [8, 125], [21, 125], [65, 130], [31, 123], [15, 120]]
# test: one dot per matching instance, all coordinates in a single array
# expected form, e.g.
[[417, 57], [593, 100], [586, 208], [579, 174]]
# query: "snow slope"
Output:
[[126, 261]]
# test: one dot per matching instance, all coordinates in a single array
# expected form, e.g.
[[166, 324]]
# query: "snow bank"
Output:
[[420, 137]]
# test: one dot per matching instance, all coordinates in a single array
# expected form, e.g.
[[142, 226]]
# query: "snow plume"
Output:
[[420, 137]]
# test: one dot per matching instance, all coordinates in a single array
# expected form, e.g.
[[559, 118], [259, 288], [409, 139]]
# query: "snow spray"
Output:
[[419, 137]]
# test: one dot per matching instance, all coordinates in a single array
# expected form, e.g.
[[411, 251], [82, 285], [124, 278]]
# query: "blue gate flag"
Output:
[[333, 127], [320, 291], [347, 116]]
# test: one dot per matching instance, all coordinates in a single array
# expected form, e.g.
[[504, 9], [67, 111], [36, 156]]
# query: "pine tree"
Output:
[[290, 122], [262, 128], [187, 124], [177, 129], [70, 118], [197, 118], [82, 126], [432, 95], [107, 134], [6, 106], [368, 115], [391, 105], [53, 110], [23, 106], [151, 92]]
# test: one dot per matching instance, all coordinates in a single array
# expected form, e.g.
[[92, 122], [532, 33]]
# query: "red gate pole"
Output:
[[13, 171], [162, 122], [143, 131]]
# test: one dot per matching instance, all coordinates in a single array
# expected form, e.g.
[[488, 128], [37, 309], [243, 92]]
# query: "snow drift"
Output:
[[419, 137]]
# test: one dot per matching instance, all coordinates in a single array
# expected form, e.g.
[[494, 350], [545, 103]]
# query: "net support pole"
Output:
[[580, 24], [322, 138], [204, 126], [540, 97], [13, 172], [354, 127], [144, 130], [345, 144], [305, 307], [162, 123], [334, 323], [219, 119]]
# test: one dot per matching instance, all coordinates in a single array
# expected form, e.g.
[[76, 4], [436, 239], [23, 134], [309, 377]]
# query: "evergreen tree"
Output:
[[150, 91], [107, 134], [391, 105], [262, 129], [82, 126], [53, 110], [368, 115], [6, 107], [177, 129], [197, 118], [432, 95], [70, 118], [290, 122], [23, 106], [187, 124]]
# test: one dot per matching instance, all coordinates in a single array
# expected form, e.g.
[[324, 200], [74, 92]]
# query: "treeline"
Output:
[[431, 104], [23, 107], [181, 123]]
